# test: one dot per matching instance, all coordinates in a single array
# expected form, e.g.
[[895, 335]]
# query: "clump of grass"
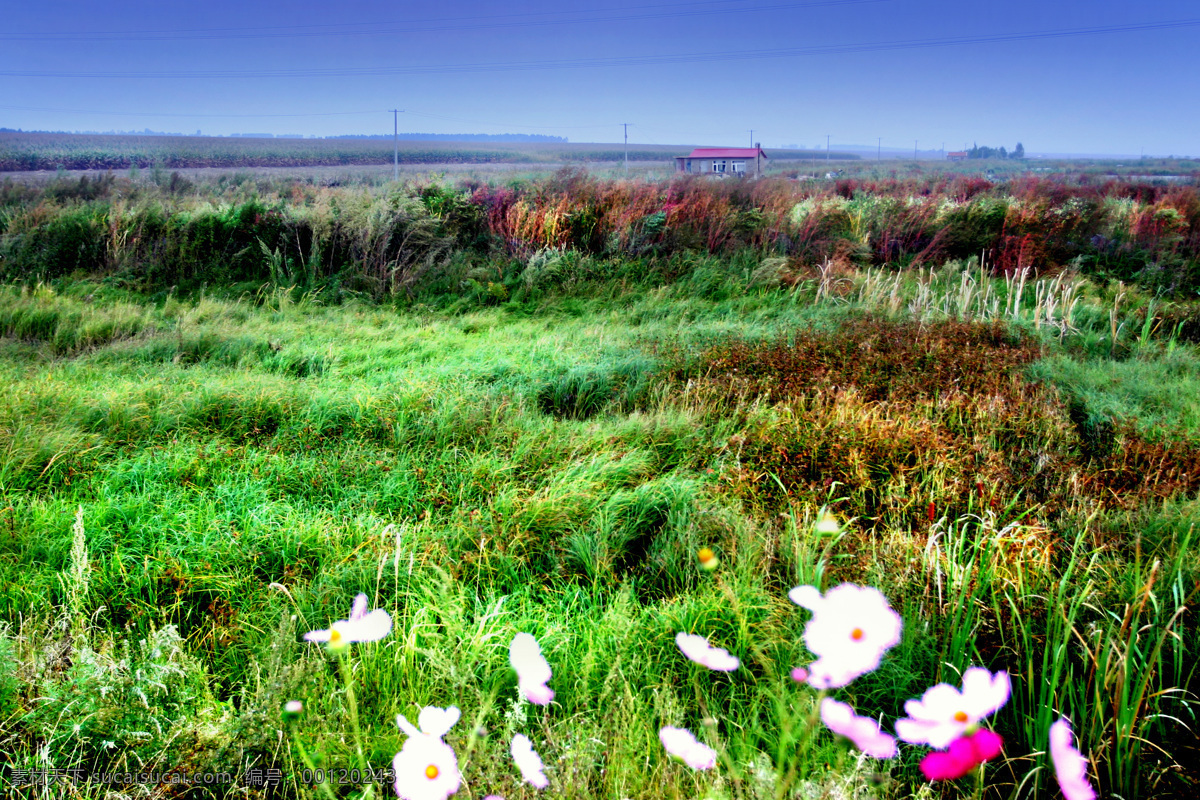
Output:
[[67, 325], [879, 358]]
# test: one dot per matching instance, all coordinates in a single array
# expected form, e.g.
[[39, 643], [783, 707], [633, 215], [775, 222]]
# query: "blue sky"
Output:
[[1083, 76]]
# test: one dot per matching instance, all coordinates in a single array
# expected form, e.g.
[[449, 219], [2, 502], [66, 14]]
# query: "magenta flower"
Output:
[[528, 761], [361, 627], [533, 672], [863, 732], [944, 713], [850, 630], [1070, 767], [698, 649], [965, 754], [680, 743]]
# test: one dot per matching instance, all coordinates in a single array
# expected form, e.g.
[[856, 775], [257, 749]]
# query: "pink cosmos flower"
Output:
[[1070, 767], [680, 743], [863, 732], [698, 649], [528, 761], [965, 754], [944, 713], [426, 768], [850, 630], [361, 627], [533, 672]]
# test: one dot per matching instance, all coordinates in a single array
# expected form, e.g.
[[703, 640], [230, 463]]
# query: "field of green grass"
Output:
[[190, 482]]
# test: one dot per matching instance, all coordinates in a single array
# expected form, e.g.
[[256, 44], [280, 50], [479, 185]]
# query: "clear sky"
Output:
[[1083, 76]]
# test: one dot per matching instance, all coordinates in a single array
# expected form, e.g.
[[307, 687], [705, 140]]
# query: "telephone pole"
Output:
[[396, 142], [626, 125], [752, 137]]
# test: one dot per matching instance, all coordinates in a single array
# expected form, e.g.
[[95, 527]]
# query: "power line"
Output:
[[682, 58]]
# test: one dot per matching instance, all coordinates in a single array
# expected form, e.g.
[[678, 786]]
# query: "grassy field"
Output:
[[191, 481]]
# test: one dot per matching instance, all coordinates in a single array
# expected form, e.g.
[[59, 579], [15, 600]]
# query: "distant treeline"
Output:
[[996, 152], [457, 137]]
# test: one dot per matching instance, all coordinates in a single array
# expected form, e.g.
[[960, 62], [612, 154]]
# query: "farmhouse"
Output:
[[956, 155], [722, 161]]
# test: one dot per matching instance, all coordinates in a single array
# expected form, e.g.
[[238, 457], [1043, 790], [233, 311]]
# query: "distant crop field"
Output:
[[45, 151]]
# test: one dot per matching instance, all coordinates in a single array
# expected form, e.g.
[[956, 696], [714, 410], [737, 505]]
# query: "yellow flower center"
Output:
[[960, 716], [335, 637], [431, 771], [857, 634]]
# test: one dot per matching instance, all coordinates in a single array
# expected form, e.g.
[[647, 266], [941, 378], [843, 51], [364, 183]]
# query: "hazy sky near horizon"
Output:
[[1078, 76]]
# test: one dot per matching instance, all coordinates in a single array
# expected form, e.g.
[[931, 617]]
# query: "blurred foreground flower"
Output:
[[292, 710], [426, 767], [361, 627], [698, 649], [965, 754], [850, 630], [1070, 767], [533, 672], [827, 524], [863, 732], [528, 761], [680, 743], [944, 713], [708, 559]]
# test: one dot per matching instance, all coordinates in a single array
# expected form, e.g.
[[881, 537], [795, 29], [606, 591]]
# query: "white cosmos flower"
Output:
[[426, 769], [533, 672], [698, 649], [361, 627], [528, 761], [850, 630], [680, 743], [944, 713]]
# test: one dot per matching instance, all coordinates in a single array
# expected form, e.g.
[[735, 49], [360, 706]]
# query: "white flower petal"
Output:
[[806, 597], [1070, 766], [680, 743], [435, 721], [697, 649], [359, 607], [533, 671], [537, 693], [528, 761]]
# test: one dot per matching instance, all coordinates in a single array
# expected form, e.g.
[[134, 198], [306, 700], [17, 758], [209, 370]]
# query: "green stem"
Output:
[[308, 760], [347, 678]]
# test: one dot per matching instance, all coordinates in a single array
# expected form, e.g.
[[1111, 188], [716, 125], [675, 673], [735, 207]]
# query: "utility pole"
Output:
[[752, 137], [626, 125], [396, 142]]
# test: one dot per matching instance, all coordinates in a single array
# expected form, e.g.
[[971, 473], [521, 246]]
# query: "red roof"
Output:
[[727, 152]]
